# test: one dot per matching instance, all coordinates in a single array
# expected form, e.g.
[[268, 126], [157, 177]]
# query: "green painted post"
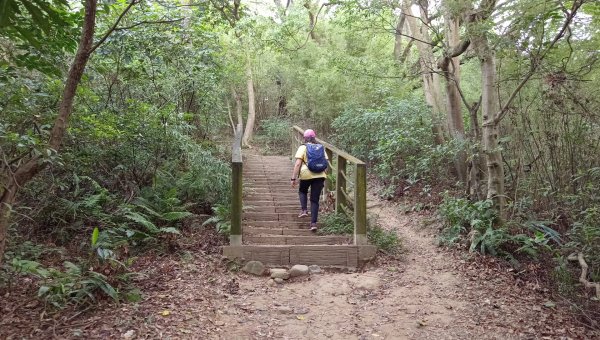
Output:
[[236, 204], [360, 204], [340, 184], [235, 235]]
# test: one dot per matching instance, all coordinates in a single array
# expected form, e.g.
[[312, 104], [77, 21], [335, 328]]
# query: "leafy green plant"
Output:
[[275, 133], [336, 223], [396, 138], [585, 238], [386, 240], [221, 219], [341, 223], [75, 285]]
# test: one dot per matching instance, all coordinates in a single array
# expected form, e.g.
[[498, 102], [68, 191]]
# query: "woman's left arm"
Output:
[[296, 172]]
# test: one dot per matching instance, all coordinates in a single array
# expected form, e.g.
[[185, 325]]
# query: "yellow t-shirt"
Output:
[[304, 172]]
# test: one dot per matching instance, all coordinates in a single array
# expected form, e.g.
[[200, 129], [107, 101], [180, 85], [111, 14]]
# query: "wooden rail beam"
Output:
[[340, 184]]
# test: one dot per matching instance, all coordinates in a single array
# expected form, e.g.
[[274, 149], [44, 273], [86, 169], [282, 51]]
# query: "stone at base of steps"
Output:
[[322, 255]]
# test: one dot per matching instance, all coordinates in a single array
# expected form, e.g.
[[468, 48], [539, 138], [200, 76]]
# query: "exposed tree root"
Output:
[[584, 269]]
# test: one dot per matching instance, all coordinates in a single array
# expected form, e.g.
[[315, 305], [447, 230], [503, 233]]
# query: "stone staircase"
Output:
[[271, 230]]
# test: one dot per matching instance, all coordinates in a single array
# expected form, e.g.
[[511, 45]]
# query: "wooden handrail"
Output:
[[343, 202], [235, 234]]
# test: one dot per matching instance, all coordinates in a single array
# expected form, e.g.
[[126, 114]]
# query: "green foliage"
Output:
[[475, 224], [342, 224], [396, 138], [221, 219], [386, 240], [336, 223], [75, 285], [585, 238], [275, 134], [564, 279], [461, 216]]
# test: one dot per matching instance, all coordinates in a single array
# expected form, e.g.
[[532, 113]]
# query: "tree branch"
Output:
[[147, 23], [536, 60], [114, 26]]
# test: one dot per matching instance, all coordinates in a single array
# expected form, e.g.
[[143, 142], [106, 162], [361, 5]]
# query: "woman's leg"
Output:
[[316, 186], [303, 194]]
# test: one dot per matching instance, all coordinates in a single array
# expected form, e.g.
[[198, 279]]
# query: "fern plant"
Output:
[[221, 219]]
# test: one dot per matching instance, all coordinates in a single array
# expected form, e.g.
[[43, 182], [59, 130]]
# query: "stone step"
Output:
[[295, 239], [276, 224], [277, 231], [265, 216], [271, 209], [269, 201], [322, 255], [266, 197], [273, 187]]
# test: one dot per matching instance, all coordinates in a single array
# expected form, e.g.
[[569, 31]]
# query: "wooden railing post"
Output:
[[340, 184], [328, 184], [360, 204], [235, 234]]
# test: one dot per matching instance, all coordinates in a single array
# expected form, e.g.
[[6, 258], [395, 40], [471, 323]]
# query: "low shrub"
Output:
[[397, 139], [275, 134], [341, 224]]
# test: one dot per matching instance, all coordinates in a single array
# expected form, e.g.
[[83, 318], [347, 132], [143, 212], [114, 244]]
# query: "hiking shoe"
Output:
[[313, 227], [304, 213]]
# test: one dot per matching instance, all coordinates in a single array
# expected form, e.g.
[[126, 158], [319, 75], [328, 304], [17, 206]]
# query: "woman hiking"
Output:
[[310, 166]]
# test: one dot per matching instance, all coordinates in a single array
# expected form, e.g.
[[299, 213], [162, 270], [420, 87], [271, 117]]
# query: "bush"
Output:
[[585, 238], [396, 138], [221, 219], [75, 285], [337, 223], [386, 240], [341, 223], [275, 133], [474, 224]]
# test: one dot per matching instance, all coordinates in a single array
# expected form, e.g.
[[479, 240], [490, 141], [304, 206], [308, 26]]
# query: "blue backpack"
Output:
[[315, 153]]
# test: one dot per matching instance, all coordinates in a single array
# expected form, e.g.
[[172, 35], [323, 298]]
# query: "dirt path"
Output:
[[430, 293]]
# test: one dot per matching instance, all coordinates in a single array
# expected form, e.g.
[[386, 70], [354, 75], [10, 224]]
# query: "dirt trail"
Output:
[[430, 293]]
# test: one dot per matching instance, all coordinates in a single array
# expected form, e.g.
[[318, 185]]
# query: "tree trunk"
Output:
[[475, 172], [238, 106], [431, 80], [6, 203], [311, 17], [491, 148], [251, 108], [398, 50], [451, 71], [28, 170]]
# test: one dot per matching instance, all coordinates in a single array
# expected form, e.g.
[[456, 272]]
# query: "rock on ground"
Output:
[[254, 268], [278, 280], [280, 273], [314, 269], [299, 270], [367, 283]]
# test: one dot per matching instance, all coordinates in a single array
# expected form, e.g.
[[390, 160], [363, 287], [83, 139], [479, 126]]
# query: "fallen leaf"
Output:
[[165, 312], [549, 304], [300, 317]]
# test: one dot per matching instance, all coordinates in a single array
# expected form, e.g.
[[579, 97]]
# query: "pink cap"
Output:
[[309, 133]]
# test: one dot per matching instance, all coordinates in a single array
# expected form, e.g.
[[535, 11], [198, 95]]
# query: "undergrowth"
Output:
[[341, 224]]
